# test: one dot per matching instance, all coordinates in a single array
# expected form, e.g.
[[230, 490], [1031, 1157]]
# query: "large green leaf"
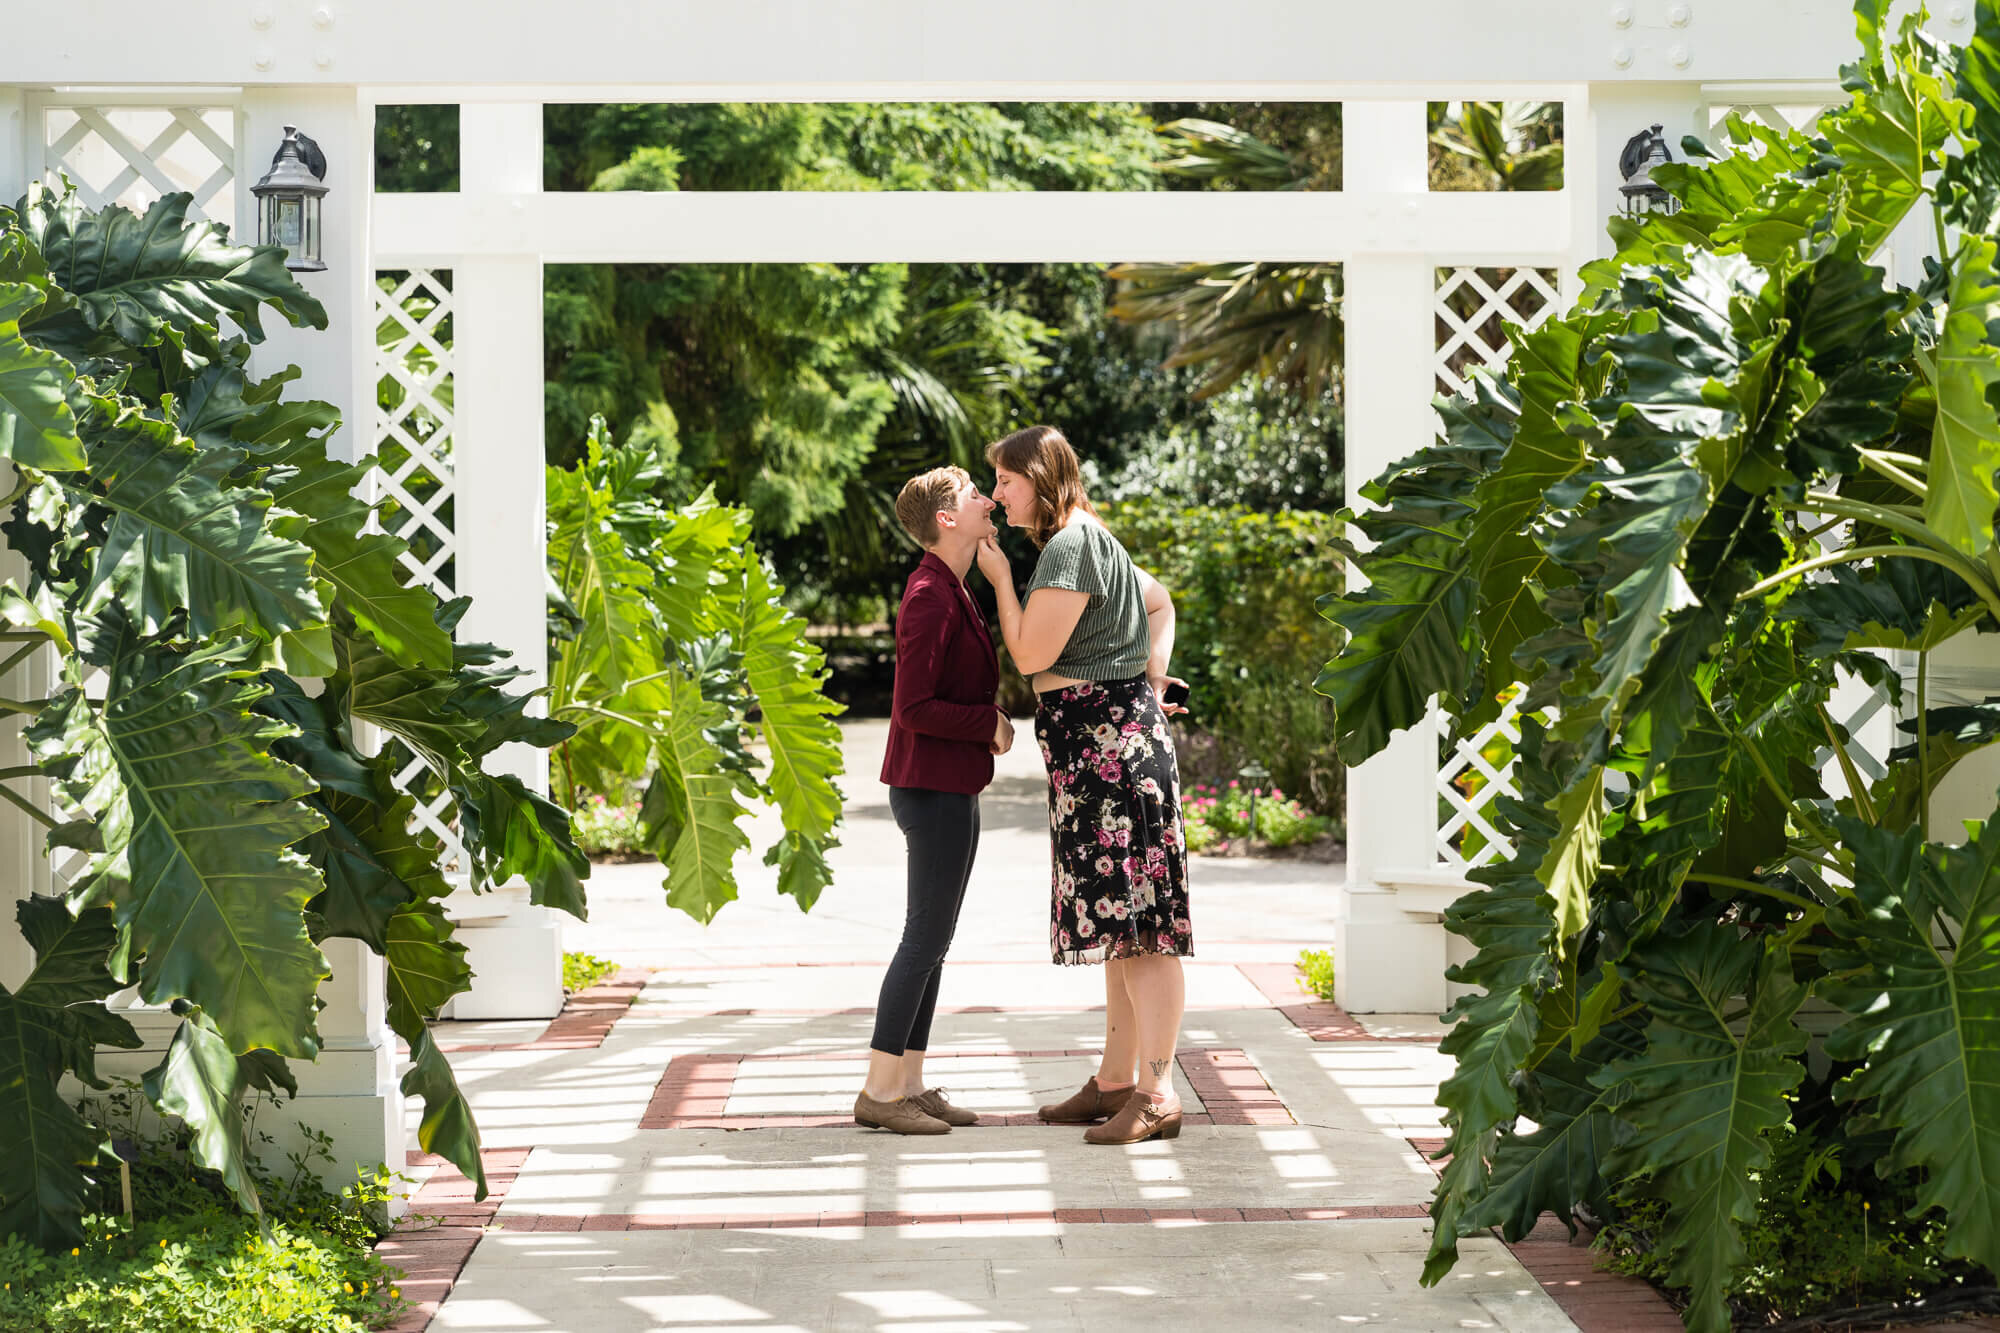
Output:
[[620, 639], [1912, 605], [178, 540], [1965, 443], [135, 277], [37, 425], [702, 538], [1702, 1097], [370, 853], [51, 1025], [1560, 1164], [690, 810], [211, 908], [1511, 924], [202, 1080], [786, 674], [452, 720], [1896, 124], [447, 1127], [1970, 184], [1408, 635], [286, 441], [1925, 1018]]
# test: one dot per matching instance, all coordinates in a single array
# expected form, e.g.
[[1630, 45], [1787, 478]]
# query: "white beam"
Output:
[[906, 44], [760, 227]]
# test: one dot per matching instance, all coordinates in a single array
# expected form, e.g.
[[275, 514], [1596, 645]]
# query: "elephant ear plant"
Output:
[[660, 675], [1745, 462], [225, 623]]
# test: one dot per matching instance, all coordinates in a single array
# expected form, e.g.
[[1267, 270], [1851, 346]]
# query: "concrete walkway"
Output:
[[693, 1165]]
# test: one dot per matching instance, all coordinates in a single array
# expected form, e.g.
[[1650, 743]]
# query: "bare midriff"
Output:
[[1044, 681]]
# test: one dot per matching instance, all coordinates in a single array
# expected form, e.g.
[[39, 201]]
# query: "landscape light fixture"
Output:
[[288, 202], [1644, 151]]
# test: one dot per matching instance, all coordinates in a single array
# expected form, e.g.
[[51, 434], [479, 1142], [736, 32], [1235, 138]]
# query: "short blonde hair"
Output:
[[924, 495]]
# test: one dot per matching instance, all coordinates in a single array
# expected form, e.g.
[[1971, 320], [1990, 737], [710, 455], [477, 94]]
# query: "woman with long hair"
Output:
[[1095, 639], [944, 729]]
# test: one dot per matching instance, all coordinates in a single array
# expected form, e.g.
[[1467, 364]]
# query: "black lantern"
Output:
[[1644, 151], [288, 201]]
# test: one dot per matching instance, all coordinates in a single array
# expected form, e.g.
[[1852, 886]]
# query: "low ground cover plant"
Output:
[[607, 829], [191, 1260], [1316, 972], [583, 970]]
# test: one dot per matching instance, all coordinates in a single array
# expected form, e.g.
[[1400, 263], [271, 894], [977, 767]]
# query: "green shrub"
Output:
[[1247, 637], [1830, 1233], [190, 1260], [1215, 818], [582, 971], [1316, 972]]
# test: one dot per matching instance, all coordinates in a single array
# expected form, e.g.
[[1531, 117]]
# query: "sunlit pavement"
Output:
[[697, 1169]]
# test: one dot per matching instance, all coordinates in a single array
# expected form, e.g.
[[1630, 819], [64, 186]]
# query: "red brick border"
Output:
[[432, 1257], [694, 1090], [1064, 1216], [1595, 1301], [586, 1017], [1318, 1019]]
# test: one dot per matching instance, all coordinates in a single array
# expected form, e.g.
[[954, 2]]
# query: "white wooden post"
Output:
[[351, 1092], [515, 948], [1388, 959], [21, 856]]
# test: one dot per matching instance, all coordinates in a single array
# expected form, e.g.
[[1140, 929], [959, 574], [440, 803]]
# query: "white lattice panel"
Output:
[[1467, 783], [413, 478], [1473, 305], [1780, 116], [132, 155], [413, 469]]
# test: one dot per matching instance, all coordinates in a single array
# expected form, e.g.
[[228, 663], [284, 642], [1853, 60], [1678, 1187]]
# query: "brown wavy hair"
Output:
[[1043, 456]]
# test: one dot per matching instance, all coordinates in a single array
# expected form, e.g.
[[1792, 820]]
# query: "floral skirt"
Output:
[[1120, 859]]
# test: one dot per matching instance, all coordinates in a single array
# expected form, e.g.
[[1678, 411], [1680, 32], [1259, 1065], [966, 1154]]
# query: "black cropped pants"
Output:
[[941, 830]]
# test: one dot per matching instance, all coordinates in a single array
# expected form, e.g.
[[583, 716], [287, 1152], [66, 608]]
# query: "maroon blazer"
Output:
[[947, 678]]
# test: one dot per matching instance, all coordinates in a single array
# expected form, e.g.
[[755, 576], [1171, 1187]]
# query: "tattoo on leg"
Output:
[[1159, 1068]]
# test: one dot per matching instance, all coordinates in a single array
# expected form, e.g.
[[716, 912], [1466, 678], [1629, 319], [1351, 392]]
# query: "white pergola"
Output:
[[130, 101]]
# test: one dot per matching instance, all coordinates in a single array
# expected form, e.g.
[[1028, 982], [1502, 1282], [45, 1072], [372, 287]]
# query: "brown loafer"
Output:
[[1138, 1121], [901, 1116], [1086, 1104], [932, 1102]]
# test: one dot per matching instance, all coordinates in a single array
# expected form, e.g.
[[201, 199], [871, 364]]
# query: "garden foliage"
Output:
[[660, 676], [225, 622], [1245, 633], [1744, 463]]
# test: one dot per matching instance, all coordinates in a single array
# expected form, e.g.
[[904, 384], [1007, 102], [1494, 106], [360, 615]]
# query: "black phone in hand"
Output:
[[1176, 694]]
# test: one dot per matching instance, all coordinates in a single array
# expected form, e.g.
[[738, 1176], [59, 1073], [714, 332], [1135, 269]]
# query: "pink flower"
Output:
[[1103, 868], [1084, 928], [1104, 837], [1109, 770], [1124, 837]]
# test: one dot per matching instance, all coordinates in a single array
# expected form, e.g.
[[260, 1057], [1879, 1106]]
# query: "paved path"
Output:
[[692, 1165]]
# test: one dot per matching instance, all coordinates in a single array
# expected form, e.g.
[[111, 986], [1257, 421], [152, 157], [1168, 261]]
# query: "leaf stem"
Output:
[[1975, 579], [1923, 747], [42, 817], [1806, 822], [1881, 463], [1863, 803], [22, 705], [1732, 882]]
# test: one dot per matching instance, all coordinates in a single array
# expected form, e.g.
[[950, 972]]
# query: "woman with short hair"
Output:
[[1095, 638], [944, 729]]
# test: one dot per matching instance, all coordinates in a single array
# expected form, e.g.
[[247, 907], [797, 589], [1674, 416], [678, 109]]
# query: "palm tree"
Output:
[[1281, 321]]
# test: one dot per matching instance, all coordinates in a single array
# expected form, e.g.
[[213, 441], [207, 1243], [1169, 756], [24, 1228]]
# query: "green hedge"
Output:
[[1248, 639]]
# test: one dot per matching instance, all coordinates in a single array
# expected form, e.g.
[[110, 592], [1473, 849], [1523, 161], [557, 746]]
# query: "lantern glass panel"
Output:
[[312, 229], [291, 222]]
